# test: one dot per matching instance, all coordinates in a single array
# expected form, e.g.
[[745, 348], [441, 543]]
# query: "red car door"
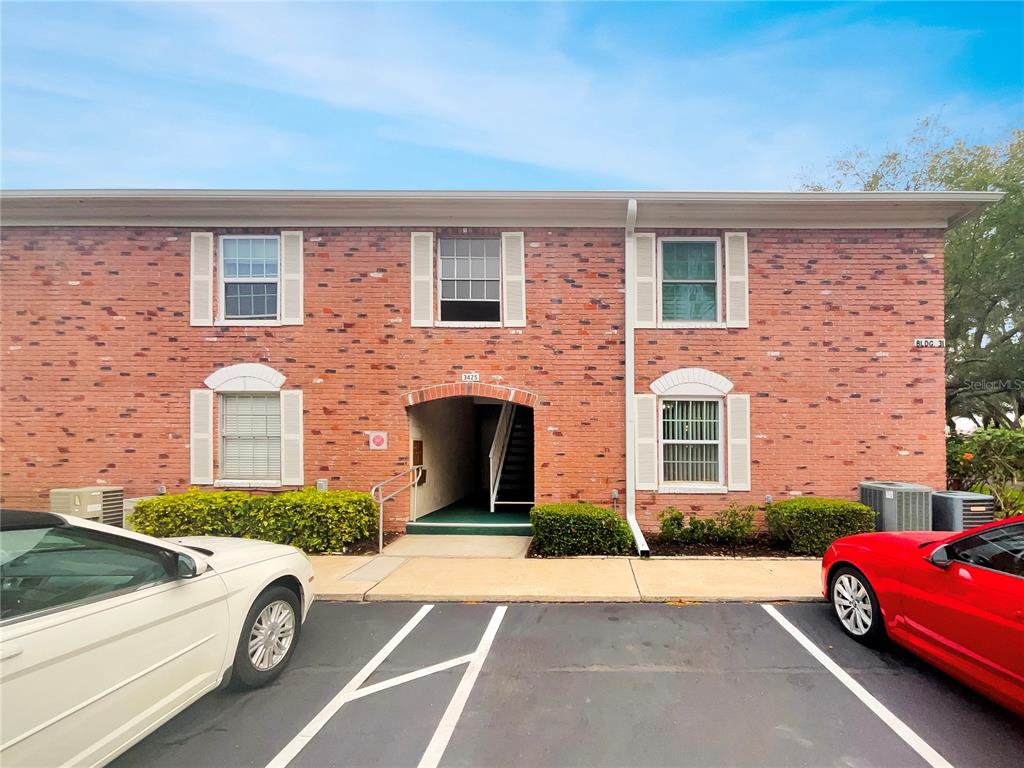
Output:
[[965, 610]]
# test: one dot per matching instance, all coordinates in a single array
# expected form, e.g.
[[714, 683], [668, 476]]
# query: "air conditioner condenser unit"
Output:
[[102, 503], [898, 506], [961, 510]]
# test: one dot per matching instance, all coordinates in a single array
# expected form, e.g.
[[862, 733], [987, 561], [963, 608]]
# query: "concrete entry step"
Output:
[[505, 547], [472, 517]]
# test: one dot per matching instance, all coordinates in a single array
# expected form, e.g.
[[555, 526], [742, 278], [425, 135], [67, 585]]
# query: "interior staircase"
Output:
[[515, 485]]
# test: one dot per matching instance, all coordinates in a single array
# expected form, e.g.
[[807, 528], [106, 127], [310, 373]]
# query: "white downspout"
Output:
[[630, 257]]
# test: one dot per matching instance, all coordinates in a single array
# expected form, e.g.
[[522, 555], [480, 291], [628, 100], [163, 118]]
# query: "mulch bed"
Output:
[[760, 546], [369, 546]]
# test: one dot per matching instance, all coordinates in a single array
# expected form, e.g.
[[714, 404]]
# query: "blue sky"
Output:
[[496, 96]]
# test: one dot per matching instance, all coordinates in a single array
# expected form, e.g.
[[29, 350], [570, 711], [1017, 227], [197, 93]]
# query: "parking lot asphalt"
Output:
[[587, 685]]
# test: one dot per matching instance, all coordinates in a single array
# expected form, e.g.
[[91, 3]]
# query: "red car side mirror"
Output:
[[940, 557]]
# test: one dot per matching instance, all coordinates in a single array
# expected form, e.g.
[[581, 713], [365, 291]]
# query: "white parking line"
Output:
[[900, 728], [443, 734], [293, 747]]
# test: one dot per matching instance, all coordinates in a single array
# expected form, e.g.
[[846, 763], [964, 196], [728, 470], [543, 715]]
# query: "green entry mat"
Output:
[[470, 517]]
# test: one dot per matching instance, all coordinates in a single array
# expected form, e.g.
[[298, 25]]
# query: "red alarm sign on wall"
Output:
[[378, 441]]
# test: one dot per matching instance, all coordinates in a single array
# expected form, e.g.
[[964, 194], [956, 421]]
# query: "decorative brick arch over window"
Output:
[[694, 382], [472, 389], [245, 377]]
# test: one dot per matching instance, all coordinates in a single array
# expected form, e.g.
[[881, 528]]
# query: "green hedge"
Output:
[[731, 526], [579, 529], [809, 525], [313, 521]]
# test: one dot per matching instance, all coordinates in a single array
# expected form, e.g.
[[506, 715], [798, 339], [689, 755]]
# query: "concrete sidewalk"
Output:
[[584, 579]]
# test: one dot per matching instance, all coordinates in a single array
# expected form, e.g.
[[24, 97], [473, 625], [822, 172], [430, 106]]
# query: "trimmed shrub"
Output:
[[193, 513], [731, 526], [579, 529], [809, 525], [314, 521]]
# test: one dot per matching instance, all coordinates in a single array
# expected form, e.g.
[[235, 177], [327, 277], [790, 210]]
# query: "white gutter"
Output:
[[630, 258]]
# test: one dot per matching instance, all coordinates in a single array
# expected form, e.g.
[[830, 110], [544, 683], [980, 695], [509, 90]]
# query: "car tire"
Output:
[[268, 638], [856, 606]]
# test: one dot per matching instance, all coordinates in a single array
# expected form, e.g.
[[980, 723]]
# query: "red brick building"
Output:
[[713, 347]]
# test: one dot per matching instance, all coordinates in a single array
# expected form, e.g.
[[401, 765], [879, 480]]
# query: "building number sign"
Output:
[[471, 376], [929, 342]]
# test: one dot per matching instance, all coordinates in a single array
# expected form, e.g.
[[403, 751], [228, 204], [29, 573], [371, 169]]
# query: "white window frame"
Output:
[[439, 323], [222, 280], [719, 321], [692, 487], [226, 482]]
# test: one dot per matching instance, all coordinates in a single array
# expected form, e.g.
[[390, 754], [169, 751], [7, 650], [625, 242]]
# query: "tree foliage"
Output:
[[984, 260]]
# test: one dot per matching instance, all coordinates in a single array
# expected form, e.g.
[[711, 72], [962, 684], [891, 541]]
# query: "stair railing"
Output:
[[412, 475], [499, 446]]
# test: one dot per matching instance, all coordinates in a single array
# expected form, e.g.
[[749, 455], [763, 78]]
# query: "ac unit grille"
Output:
[[113, 507], [898, 506]]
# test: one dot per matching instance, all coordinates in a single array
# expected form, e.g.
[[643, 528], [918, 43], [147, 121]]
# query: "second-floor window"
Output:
[[250, 276], [470, 277], [689, 281]]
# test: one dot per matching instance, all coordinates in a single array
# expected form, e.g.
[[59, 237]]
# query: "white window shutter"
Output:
[[292, 268], [421, 267], [513, 265], [737, 412], [737, 311], [201, 279], [646, 431], [292, 459], [646, 282], [200, 437]]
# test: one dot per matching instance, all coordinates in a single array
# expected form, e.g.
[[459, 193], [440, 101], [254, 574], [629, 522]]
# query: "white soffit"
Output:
[[743, 210]]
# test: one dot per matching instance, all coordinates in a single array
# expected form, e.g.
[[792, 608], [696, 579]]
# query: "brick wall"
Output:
[[99, 358], [838, 393]]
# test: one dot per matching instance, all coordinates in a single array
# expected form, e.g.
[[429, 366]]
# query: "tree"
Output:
[[984, 261]]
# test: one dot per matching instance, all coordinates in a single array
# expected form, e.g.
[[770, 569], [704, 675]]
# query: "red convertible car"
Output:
[[955, 600]]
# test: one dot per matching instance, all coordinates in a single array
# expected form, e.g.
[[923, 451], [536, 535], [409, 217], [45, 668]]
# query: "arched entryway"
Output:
[[476, 443]]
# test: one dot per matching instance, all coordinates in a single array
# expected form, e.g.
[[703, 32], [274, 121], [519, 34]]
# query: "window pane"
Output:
[[478, 248], [477, 291], [462, 248], [493, 249], [462, 289], [462, 268], [447, 268], [689, 420], [44, 568], [250, 437], [690, 463], [478, 268], [250, 301], [446, 248], [688, 261], [250, 257], [447, 289], [493, 270], [493, 290], [471, 311], [689, 301]]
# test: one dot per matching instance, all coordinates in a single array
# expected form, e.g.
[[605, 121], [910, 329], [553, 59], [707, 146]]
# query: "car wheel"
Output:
[[856, 606], [269, 636]]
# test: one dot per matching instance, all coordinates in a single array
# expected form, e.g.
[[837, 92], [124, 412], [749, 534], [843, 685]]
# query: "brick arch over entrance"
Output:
[[471, 389]]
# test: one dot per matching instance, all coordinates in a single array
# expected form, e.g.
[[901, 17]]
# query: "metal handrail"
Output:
[[502, 432], [377, 492]]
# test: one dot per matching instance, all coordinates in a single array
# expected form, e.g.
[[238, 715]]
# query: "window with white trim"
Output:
[[470, 277], [249, 277], [250, 436], [690, 280], [691, 441]]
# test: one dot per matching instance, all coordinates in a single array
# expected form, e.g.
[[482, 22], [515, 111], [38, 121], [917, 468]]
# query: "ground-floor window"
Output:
[[691, 441], [250, 436]]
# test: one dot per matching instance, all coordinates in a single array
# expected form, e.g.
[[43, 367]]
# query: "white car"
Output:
[[105, 634]]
